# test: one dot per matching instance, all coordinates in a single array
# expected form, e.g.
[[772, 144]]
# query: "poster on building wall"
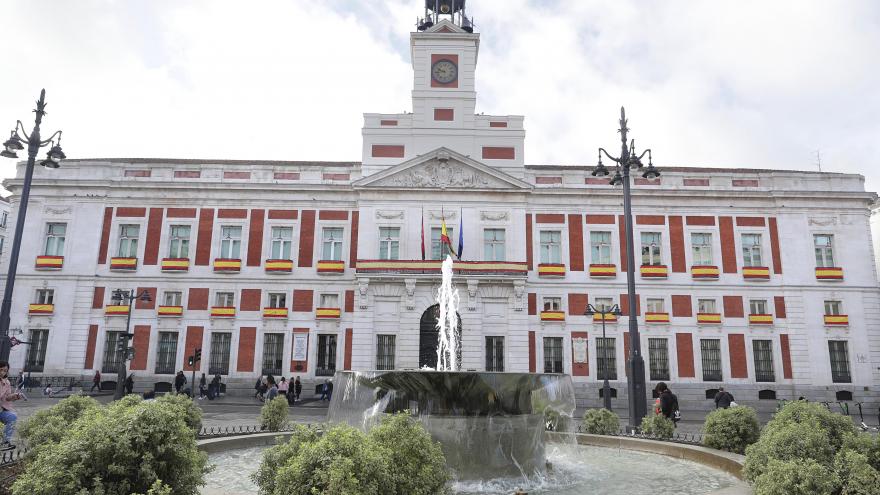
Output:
[[300, 347], [579, 349]]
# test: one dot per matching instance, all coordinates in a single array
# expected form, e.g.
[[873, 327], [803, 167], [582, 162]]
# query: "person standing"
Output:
[[329, 389], [324, 390], [214, 388], [273, 389], [257, 387], [129, 383], [723, 399], [282, 388], [297, 389], [96, 381], [7, 414], [179, 381], [203, 385], [21, 381], [668, 403]]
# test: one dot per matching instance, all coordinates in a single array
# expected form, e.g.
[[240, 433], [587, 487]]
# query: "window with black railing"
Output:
[[36, 355], [273, 353], [113, 355], [219, 361], [763, 354], [606, 360], [839, 352], [385, 352], [326, 355], [166, 353], [553, 355], [658, 356], [494, 353], [710, 351]]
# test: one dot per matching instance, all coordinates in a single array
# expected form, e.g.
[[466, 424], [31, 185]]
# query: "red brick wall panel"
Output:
[[499, 153], [546, 179], [154, 235], [141, 344], [306, 238], [650, 220], [576, 243], [600, 219], [251, 299], [744, 182], [577, 304], [684, 349], [733, 307], [232, 213], [532, 350], [624, 305], [303, 300], [286, 176], [349, 301], [130, 212], [198, 299], [700, 220], [193, 341], [681, 306], [255, 237], [786, 356], [533, 303], [676, 242], [696, 182], [91, 342], [346, 363], [236, 175], [247, 343], [353, 249], [105, 235], [187, 174], [98, 298], [728, 244], [206, 231], [444, 114], [621, 227], [779, 302], [749, 221], [151, 304], [738, 367], [387, 151], [529, 241], [774, 247], [579, 369], [549, 218], [181, 213], [328, 176], [333, 215], [283, 214]]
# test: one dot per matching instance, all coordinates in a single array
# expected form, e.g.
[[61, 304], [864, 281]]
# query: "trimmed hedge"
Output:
[[601, 422], [657, 425], [273, 415], [731, 429]]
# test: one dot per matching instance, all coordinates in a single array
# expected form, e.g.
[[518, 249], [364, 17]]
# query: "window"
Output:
[[493, 245], [832, 308], [220, 344], [326, 355], [751, 246], [173, 298], [167, 353], [701, 247], [651, 248], [710, 350], [2, 241], [600, 248], [839, 353], [389, 243], [658, 355], [55, 234], [113, 355], [824, 246], [706, 306], [3, 218], [763, 354], [277, 300], [178, 246], [329, 301], [606, 360], [385, 352], [553, 355], [225, 300], [439, 250], [494, 353], [45, 296], [331, 245], [128, 241], [273, 353], [552, 304], [282, 240], [603, 303], [655, 305], [758, 307], [551, 246], [230, 242], [36, 353]]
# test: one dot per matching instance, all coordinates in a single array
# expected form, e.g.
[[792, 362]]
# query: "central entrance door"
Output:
[[429, 337]]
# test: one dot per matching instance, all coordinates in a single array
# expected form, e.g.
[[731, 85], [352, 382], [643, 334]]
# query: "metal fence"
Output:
[[687, 438]]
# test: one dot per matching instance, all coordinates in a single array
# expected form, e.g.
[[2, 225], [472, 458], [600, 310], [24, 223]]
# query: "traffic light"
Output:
[[122, 345], [198, 355], [189, 361]]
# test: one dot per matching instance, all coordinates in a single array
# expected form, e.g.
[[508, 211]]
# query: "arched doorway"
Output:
[[429, 337]]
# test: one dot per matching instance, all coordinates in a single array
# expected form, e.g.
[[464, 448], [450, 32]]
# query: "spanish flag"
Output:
[[444, 237]]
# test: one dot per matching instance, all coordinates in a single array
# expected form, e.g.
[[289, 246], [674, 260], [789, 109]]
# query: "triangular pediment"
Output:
[[445, 26], [442, 169]]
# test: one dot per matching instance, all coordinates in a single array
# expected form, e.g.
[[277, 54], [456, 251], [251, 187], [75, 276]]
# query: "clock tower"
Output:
[[444, 51]]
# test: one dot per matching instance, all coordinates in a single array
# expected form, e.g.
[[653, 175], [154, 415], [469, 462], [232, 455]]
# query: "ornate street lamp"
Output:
[[53, 160], [604, 312], [123, 297], [635, 365]]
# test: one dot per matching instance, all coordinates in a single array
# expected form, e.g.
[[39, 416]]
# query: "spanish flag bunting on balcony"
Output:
[[275, 312], [49, 262], [224, 311], [279, 265], [603, 270], [551, 270], [836, 320], [657, 317], [175, 264], [116, 309], [756, 272], [708, 317], [227, 265], [41, 309], [704, 271], [760, 319], [331, 266], [552, 316], [829, 273], [327, 312], [609, 317], [123, 263], [654, 271], [170, 310]]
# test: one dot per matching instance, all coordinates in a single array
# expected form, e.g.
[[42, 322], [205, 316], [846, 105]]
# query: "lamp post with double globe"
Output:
[[126, 297]]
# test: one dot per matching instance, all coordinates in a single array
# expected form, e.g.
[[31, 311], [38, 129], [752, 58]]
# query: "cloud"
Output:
[[727, 84]]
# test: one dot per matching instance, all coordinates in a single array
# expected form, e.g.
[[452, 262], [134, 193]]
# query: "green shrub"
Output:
[[857, 475], [601, 422], [657, 425], [867, 445], [797, 477], [273, 415], [731, 429], [397, 457], [117, 450], [789, 442], [838, 426], [47, 427], [192, 414]]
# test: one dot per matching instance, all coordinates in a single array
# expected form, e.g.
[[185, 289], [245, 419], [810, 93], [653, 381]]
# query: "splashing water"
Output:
[[447, 323]]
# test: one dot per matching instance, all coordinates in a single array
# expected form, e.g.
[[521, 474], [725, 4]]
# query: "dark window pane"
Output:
[[606, 360], [326, 355], [385, 352], [494, 353], [710, 350], [36, 354], [839, 353], [553, 355], [220, 344], [112, 354], [273, 352], [658, 355], [763, 353], [167, 353]]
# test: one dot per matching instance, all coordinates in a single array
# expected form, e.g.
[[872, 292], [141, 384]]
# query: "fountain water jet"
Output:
[[449, 343]]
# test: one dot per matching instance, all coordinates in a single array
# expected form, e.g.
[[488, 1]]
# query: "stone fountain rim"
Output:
[[715, 459]]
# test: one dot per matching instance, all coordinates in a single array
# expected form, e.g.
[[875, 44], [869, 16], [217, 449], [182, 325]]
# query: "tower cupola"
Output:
[[454, 10]]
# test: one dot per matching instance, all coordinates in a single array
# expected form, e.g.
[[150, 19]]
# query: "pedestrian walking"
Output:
[[329, 389], [723, 399], [297, 389], [668, 403], [7, 412], [214, 388], [179, 381], [96, 381]]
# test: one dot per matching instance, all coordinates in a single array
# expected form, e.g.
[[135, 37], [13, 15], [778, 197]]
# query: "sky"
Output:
[[782, 84]]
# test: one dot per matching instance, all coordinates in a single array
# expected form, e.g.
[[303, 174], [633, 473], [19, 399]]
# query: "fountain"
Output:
[[488, 424]]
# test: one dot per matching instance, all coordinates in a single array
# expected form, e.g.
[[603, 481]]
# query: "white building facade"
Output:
[[763, 281]]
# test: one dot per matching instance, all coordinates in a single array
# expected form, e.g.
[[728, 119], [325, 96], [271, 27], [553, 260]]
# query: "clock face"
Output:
[[444, 71]]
